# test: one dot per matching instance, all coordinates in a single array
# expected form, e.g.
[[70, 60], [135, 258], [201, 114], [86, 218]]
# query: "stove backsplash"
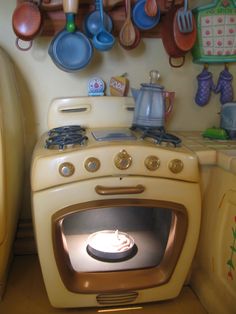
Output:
[[91, 112]]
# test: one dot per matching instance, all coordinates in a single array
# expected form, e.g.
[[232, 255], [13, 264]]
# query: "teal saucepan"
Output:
[[70, 49]]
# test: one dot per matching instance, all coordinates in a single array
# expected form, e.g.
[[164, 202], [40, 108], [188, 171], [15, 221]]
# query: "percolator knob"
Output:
[[154, 76]]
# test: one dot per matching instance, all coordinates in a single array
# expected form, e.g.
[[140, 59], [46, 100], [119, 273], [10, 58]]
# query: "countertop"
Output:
[[210, 151]]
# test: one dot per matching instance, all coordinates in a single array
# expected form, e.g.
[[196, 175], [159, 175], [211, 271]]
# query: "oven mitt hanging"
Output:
[[224, 86], [205, 85]]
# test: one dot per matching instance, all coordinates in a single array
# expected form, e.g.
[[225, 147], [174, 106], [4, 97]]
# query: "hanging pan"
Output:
[[70, 50], [26, 23], [176, 55]]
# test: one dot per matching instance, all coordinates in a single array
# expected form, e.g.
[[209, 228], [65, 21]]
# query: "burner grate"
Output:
[[64, 136], [158, 134], [66, 129]]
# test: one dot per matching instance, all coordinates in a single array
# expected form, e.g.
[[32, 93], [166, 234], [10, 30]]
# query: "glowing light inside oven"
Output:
[[111, 241]]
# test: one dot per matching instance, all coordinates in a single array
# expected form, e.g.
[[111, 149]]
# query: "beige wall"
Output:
[[41, 81]]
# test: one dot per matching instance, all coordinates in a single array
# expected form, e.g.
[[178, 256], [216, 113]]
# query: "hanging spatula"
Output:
[[185, 19], [151, 7]]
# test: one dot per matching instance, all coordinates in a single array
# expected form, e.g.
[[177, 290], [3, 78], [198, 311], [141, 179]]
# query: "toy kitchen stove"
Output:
[[116, 212]]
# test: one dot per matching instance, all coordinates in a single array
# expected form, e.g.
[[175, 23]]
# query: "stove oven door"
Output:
[[158, 214]]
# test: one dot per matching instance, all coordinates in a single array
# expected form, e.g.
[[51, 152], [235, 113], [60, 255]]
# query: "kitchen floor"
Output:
[[25, 294]]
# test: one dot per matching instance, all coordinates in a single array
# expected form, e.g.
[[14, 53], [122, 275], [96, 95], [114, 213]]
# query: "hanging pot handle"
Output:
[[26, 48], [51, 5], [182, 60], [169, 102], [70, 6]]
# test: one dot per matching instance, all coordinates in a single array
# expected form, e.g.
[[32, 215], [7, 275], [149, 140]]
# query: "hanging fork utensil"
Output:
[[185, 19]]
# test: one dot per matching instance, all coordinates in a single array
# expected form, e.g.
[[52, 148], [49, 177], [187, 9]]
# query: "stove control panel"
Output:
[[176, 165], [66, 169], [152, 163], [123, 160], [92, 164]]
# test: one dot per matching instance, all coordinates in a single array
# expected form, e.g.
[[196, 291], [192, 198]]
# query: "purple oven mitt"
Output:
[[205, 85], [224, 86]]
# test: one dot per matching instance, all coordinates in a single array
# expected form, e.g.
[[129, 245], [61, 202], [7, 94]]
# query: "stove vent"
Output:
[[116, 298]]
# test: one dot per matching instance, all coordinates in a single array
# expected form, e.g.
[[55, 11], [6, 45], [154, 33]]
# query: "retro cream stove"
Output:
[[117, 213]]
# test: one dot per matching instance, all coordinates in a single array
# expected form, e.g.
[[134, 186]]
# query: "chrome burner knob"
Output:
[[176, 165], [123, 160], [92, 164], [66, 169], [152, 163]]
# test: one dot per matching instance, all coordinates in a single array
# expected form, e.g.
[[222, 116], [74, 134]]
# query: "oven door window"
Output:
[[118, 235]]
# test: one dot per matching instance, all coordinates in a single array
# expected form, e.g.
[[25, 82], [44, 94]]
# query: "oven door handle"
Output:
[[114, 190]]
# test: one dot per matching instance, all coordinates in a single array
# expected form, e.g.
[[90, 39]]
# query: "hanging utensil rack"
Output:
[[54, 17]]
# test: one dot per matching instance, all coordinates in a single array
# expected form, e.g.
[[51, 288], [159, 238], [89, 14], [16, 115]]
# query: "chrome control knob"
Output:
[[92, 164], [66, 169], [152, 163], [123, 160], [176, 165]]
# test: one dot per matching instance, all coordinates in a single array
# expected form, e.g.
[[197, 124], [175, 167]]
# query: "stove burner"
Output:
[[66, 129], [158, 134], [64, 136]]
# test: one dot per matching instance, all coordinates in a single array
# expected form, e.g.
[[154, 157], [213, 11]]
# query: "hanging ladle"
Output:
[[103, 40], [127, 33], [92, 21]]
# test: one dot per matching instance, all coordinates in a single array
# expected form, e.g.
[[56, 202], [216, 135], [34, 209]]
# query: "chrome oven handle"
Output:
[[105, 190]]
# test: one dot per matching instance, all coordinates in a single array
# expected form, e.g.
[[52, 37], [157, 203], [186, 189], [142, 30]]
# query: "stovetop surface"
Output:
[[100, 137], [75, 136]]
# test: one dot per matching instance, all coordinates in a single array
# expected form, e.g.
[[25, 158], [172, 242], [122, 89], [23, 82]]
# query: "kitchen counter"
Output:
[[210, 151], [211, 275]]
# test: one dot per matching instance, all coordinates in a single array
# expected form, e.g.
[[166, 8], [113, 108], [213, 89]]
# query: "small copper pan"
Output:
[[26, 23], [176, 55]]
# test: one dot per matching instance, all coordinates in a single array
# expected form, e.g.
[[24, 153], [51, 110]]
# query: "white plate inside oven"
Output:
[[111, 245], [117, 134]]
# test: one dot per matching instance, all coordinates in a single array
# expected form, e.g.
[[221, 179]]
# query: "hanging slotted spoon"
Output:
[[185, 19]]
